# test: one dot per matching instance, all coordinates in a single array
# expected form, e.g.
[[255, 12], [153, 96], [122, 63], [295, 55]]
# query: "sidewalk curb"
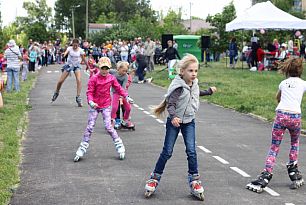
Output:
[[303, 132]]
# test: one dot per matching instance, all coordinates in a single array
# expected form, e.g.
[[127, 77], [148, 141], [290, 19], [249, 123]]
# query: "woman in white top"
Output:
[[124, 52], [75, 56], [288, 116]]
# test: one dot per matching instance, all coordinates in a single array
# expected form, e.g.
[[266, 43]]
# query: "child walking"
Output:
[[75, 56], [288, 116], [99, 100], [122, 78], [182, 103], [25, 64]]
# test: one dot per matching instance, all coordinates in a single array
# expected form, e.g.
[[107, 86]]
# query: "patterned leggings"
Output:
[[284, 121], [92, 118]]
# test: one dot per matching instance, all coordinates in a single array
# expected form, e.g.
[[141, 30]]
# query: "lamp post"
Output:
[[72, 15]]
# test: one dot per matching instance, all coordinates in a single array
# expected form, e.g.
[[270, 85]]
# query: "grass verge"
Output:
[[12, 121], [238, 89]]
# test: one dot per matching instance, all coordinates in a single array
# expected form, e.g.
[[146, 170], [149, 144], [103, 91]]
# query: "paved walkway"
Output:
[[231, 151]]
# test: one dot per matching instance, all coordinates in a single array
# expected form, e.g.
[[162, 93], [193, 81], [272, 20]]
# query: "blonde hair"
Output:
[[293, 67], [186, 61], [122, 64]]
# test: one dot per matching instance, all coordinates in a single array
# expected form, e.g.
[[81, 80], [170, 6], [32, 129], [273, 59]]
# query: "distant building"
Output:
[[196, 25], [95, 27]]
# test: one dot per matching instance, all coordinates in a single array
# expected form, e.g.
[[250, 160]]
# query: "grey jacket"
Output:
[[188, 103]]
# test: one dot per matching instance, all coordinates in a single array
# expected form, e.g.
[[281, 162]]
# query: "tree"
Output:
[[219, 21], [101, 11], [172, 23]]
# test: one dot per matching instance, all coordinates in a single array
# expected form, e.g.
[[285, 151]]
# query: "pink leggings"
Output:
[[126, 105], [284, 121]]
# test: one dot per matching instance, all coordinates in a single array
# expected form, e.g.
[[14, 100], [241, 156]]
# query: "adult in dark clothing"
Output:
[[171, 55], [233, 52], [142, 64], [254, 60]]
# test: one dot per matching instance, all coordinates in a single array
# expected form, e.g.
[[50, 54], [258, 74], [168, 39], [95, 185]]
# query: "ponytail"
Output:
[[160, 109]]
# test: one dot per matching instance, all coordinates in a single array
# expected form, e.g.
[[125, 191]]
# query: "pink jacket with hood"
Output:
[[98, 90]]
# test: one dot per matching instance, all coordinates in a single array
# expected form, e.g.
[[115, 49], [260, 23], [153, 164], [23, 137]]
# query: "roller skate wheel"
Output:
[[254, 188], [297, 184], [76, 158]]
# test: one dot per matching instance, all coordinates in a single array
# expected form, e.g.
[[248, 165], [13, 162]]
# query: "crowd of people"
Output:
[[266, 56]]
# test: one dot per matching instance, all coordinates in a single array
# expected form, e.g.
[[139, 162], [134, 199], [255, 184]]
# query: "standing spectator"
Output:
[[95, 53], [149, 53], [175, 45], [33, 58], [124, 51], [142, 64], [12, 55], [25, 64], [233, 52]]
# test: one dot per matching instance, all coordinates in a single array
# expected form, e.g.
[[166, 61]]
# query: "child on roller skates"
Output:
[[75, 56], [92, 67], [122, 78], [182, 102], [288, 116], [99, 100]]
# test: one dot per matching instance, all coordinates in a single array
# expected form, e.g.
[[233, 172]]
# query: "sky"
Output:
[[200, 8]]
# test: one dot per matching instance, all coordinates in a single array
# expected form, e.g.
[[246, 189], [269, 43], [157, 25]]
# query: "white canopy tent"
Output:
[[265, 16]]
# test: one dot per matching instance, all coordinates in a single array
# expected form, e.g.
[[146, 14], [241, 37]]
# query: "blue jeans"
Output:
[[12, 73], [188, 132]]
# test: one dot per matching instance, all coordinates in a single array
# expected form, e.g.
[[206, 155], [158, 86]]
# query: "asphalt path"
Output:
[[231, 151]]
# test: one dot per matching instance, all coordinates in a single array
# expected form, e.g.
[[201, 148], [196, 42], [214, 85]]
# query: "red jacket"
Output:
[[98, 89], [260, 54]]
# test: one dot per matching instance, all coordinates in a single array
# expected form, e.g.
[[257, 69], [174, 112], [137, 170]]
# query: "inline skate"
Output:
[[295, 176], [260, 183], [196, 189], [152, 184], [54, 97], [120, 148], [81, 151], [78, 100]]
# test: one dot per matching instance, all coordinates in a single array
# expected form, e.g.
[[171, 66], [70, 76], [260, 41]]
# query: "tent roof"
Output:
[[265, 16]]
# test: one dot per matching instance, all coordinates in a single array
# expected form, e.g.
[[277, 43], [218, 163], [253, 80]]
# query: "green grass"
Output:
[[11, 116], [238, 89]]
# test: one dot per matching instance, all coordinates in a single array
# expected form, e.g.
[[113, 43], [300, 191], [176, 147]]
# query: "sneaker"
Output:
[[253, 69]]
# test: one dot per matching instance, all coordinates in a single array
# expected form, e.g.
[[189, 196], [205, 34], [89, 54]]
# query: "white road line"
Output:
[[146, 112], [239, 171], [49, 71], [204, 149], [160, 121], [289, 204], [140, 108], [223, 161], [57, 71], [271, 192], [153, 116], [135, 105]]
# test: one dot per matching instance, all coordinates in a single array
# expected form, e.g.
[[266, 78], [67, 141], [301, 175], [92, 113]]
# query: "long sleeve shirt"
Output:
[[174, 96]]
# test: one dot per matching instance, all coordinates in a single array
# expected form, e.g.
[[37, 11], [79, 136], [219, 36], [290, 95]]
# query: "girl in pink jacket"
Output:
[[99, 100]]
